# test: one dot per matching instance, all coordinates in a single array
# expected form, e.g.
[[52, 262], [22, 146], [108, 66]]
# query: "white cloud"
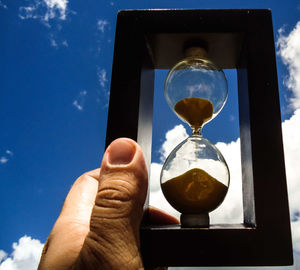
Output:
[[103, 92], [155, 175], [45, 10], [3, 5], [27, 12], [25, 256], [172, 139], [65, 43], [49, 12], [3, 160], [101, 25], [6, 157], [80, 100], [296, 236], [289, 51], [77, 105], [231, 210], [8, 152], [291, 139], [56, 5], [3, 255], [102, 78], [53, 43]]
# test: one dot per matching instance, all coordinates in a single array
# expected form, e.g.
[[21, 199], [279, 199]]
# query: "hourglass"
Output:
[[150, 40], [195, 176]]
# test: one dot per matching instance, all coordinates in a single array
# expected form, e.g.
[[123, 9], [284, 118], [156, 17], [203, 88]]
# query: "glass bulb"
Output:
[[196, 81], [195, 176]]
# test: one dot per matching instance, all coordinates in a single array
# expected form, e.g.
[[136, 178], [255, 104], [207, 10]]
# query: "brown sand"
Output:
[[194, 111], [194, 192]]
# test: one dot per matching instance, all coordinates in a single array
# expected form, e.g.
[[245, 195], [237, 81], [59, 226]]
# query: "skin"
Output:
[[98, 227]]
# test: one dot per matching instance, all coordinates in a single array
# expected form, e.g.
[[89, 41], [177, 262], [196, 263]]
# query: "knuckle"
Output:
[[114, 198], [114, 194]]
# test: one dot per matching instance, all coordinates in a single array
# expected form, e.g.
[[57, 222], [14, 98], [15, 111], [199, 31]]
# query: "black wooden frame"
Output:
[[243, 39]]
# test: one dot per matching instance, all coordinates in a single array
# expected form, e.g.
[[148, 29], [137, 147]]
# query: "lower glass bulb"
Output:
[[195, 180]]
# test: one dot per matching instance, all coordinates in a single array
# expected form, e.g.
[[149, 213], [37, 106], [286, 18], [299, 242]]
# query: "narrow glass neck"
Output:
[[197, 132]]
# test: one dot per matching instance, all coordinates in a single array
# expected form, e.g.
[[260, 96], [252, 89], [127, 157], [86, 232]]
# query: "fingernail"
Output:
[[121, 152]]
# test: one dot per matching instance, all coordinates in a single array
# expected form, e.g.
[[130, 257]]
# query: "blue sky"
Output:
[[55, 66]]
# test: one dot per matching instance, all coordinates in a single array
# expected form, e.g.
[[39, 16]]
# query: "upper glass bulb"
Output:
[[196, 83]]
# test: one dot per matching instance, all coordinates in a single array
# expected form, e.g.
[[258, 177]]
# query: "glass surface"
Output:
[[195, 176], [196, 77], [195, 152]]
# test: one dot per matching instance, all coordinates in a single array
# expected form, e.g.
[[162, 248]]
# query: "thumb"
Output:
[[113, 239]]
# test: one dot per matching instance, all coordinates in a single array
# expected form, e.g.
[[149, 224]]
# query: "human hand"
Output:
[[98, 227]]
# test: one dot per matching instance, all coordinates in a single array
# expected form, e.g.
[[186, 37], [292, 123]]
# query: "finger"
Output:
[[72, 226], [156, 216], [113, 240]]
